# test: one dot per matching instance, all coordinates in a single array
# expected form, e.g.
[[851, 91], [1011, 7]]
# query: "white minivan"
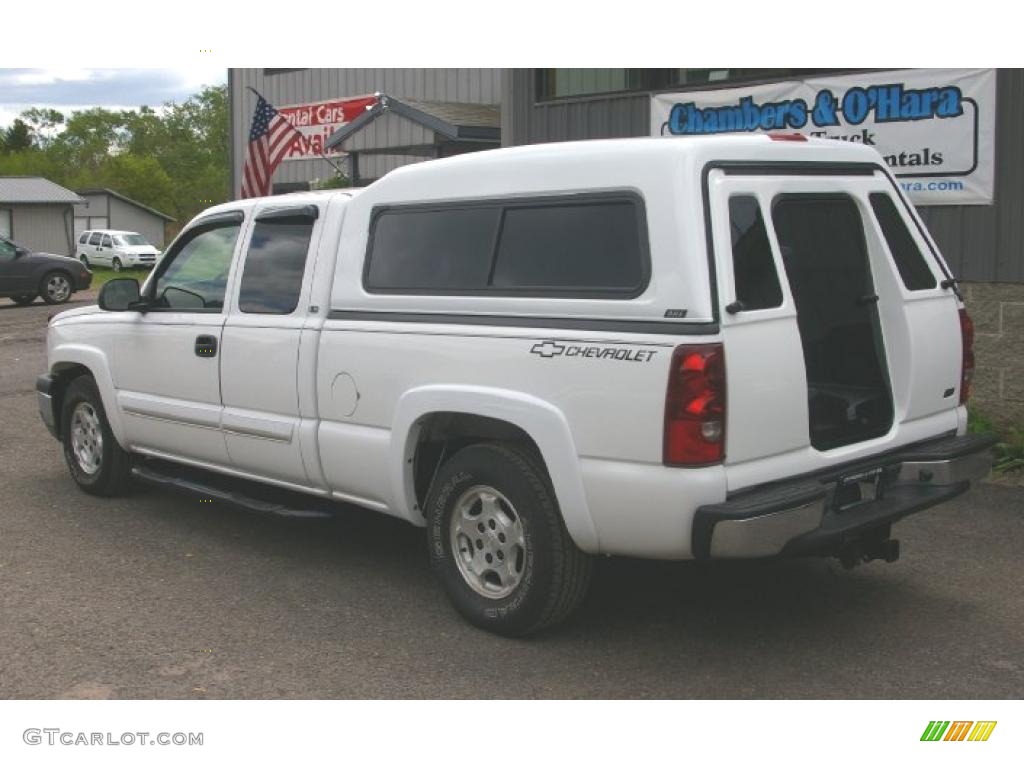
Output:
[[706, 348], [115, 248]]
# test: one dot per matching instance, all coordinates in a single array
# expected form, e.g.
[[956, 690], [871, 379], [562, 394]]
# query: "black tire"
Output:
[[85, 260], [116, 264], [554, 573], [23, 301], [56, 287], [111, 476]]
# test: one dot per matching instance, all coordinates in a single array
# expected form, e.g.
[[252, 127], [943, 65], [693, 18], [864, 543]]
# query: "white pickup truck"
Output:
[[664, 348]]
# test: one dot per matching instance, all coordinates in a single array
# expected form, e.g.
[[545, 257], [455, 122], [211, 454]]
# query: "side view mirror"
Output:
[[119, 295], [19, 251]]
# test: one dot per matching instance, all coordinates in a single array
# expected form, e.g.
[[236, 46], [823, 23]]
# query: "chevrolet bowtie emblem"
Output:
[[547, 349]]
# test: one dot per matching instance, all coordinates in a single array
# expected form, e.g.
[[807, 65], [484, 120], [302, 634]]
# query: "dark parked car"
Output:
[[25, 275]]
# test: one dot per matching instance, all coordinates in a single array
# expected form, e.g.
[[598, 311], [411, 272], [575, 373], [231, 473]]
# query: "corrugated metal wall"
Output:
[[45, 228], [985, 243], [94, 205], [611, 117], [127, 216], [981, 243], [474, 86]]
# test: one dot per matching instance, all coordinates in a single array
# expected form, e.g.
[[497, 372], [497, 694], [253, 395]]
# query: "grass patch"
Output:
[[1009, 451], [102, 275]]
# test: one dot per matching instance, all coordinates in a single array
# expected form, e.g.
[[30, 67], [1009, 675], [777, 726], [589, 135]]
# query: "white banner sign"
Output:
[[934, 127]]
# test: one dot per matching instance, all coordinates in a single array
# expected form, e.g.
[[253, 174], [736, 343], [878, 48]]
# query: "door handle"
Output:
[[871, 298], [206, 346]]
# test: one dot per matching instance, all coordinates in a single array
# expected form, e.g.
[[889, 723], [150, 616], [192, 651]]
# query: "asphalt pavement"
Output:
[[159, 595]]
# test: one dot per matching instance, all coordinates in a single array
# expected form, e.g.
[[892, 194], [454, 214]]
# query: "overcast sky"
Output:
[[70, 89]]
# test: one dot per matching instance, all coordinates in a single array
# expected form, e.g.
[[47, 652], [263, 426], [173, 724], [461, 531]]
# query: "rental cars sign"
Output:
[[934, 127], [318, 120]]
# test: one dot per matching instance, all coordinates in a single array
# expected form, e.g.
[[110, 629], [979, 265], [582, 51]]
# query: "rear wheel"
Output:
[[28, 298], [498, 545], [55, 287], [116, 264], [97, 463]]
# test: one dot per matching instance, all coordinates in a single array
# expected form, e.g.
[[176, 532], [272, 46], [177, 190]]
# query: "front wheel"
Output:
[[55, 287], [85, 260], [116, 264], [498, 545], [97, 463]]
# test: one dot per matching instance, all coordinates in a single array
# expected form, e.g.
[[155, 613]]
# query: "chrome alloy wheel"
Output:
[[58, 288], [487, 542], [87, 438]]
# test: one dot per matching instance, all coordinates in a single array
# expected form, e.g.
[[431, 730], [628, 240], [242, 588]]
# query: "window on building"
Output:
[[274, 265], [5, 222], [562, 83], [756, 279], [551, 247], [909, 260]]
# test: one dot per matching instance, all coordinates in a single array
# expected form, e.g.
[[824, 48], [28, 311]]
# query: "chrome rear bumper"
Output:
[[818, 515]]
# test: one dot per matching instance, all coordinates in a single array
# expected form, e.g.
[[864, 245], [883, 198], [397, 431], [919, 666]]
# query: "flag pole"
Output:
[[302, 136]]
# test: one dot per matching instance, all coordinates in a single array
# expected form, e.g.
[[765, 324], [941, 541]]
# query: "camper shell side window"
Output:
[[578, 246]]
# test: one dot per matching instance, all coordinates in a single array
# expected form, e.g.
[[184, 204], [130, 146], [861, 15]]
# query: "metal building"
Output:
[[38, 214], [314, 99], [103, 208], [975, 213]]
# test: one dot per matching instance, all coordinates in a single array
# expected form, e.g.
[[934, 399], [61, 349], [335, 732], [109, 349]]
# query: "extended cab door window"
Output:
[[275, 263], [194, 277]]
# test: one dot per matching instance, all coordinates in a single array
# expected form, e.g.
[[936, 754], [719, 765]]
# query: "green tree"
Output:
[[89, 137], [43, 123], [337, 181], [195, 150], [174, 158], [140, 178], [18, 137]]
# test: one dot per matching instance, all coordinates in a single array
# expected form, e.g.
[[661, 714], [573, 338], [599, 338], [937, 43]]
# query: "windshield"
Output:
[[131, 240]]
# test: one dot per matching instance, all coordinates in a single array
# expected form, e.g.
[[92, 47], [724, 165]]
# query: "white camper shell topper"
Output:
[[728, 347]]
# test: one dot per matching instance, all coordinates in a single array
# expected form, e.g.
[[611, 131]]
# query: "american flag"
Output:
[[269, 139]]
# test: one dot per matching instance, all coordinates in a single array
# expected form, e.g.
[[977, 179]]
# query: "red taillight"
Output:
[[967, 361], [787, 137], [695, 406]]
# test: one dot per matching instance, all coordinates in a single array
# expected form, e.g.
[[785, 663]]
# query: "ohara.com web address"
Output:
[[56, 737], [932, 186]]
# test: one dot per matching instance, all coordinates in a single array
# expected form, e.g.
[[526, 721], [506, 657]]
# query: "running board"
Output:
[[241, 493]]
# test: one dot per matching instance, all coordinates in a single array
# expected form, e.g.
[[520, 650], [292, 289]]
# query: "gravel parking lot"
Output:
[[157, 595]]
